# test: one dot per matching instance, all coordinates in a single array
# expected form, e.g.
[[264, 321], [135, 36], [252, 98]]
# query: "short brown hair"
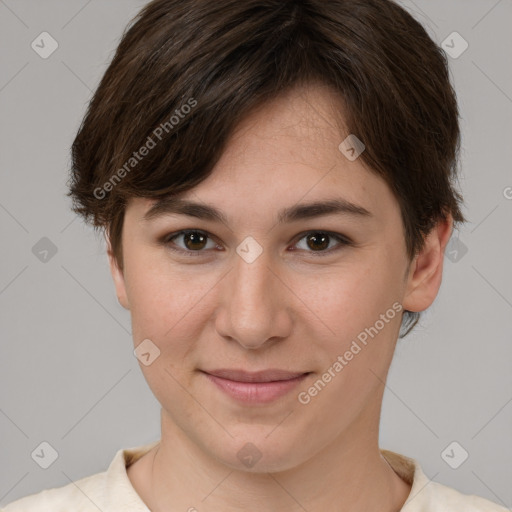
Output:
[[223, 58]]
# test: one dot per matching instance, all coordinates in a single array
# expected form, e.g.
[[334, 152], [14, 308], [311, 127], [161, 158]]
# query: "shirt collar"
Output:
[[410, 471], [119, 491]]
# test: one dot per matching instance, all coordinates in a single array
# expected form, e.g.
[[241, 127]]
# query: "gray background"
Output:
[[68, 374]]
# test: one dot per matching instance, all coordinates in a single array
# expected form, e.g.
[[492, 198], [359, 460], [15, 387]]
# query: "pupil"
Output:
[[319, 237], [194, 238]]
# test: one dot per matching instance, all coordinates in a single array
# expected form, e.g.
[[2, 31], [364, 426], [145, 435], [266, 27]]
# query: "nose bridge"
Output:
[[250, 290], [254, 307]]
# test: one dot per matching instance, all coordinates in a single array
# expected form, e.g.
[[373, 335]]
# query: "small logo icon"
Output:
[[249, 250], [44, 250], [44, 455], [249, 455], [44, 45], [454, 45], [454, 455], [146, 352], [455, 250], [351, 147]]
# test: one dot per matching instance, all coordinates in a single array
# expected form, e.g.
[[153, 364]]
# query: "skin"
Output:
[[289, 309]]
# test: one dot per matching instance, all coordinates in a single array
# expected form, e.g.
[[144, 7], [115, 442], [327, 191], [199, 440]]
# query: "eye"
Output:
[[318, 242], [194, 242]]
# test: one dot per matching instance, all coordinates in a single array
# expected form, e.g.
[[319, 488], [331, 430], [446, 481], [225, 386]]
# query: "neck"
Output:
[[353, 475]]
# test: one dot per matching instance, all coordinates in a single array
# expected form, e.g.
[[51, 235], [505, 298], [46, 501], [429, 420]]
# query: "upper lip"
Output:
[[261, 376]]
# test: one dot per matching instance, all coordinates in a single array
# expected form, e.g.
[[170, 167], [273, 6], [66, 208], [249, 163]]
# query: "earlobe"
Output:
[[426, 272], [117, 276]]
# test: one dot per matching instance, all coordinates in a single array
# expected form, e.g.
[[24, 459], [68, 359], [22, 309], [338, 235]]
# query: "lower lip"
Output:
[[256, 392]]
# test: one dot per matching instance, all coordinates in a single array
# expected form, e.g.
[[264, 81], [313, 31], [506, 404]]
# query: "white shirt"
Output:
[[112, 491]]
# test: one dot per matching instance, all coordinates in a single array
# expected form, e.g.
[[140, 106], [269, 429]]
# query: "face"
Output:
[[318, 293]]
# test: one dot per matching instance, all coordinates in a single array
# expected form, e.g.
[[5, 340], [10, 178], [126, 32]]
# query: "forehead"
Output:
[[286, 153]]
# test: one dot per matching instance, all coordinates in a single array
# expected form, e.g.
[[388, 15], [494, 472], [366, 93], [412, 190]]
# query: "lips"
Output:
[[272, 375], [253, 388]]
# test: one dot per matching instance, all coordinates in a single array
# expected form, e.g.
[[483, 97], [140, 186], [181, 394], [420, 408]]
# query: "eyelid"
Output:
[[167, 240], [343, 241], [333, 234]]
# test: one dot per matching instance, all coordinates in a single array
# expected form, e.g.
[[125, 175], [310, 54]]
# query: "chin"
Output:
[[261, 452]]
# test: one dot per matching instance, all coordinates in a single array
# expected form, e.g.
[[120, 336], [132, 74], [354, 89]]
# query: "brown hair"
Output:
[[186, 72]]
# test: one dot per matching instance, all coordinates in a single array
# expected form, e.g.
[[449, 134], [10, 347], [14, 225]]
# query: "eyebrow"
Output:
[[175, 205]]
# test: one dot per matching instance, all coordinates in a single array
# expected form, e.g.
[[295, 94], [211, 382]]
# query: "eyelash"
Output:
[[167, 241]]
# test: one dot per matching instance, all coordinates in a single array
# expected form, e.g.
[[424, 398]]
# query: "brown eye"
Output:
[[193, 241], [318, 243]]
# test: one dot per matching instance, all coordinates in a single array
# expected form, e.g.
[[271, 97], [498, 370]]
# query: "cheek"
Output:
[[359, 309], [346, 300], [167, 311], [161, 303]]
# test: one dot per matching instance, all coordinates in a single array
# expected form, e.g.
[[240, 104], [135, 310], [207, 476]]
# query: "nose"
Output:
[[254, 307]]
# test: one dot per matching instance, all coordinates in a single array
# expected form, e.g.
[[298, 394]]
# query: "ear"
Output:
[[117, 276], [426, 270]]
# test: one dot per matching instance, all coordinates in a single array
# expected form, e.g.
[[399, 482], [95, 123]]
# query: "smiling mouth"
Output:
[[255, 387]]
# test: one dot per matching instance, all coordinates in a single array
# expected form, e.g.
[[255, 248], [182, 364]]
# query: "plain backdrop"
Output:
[[68, 373]]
